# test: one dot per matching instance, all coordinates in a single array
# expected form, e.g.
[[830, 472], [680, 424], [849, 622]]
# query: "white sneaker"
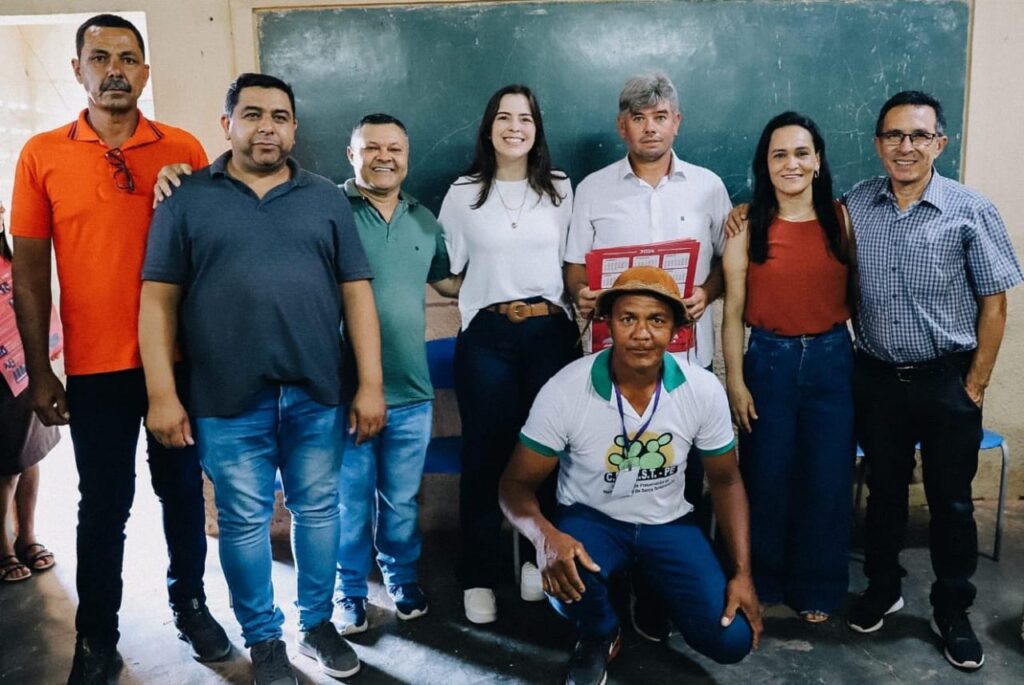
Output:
[[531, 585], [480, 605]]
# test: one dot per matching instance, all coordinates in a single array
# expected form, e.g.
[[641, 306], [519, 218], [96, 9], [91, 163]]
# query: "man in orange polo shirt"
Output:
[[87, 189]]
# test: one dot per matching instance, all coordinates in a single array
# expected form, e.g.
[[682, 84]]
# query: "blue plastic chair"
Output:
[[443, 453], [990, 440]]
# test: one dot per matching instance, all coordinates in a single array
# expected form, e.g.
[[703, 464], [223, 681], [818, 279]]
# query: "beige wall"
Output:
[[992, 164], [198, 46]]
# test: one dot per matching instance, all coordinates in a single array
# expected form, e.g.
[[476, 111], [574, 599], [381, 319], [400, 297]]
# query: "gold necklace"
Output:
[[802, 216], [508, 210]]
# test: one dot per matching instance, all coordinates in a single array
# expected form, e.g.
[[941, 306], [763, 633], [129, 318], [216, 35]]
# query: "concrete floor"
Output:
[[529, 644]]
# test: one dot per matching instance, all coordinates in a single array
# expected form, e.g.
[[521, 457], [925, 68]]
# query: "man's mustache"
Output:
[[116, 83]]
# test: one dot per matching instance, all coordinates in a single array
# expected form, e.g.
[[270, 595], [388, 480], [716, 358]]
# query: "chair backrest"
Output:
[[441, 362], [444, 454]]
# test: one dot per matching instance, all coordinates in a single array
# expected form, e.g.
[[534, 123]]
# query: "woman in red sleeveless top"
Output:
[[788, 278]]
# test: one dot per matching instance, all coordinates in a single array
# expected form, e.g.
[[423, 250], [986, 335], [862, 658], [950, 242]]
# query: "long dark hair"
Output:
[[765, 206], [5, 247], [538, 161]]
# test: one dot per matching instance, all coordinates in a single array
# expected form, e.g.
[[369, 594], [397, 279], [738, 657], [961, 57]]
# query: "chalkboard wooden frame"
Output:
[[736, 63]]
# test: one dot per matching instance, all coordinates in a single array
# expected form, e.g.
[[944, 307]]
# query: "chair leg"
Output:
[[997, 546]]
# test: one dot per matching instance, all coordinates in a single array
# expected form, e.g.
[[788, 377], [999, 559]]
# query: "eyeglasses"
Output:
[[919, 139], [122, 174]]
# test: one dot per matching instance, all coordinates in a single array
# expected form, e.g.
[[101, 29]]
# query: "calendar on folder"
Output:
[[677, 257]]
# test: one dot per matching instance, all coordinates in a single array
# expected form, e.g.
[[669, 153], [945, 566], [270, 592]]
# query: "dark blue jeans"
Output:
[[896, 409], [678, 556], [797, 466], [106, 412], [500, 367]]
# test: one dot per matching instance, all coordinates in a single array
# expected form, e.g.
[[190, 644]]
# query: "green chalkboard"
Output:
[[735, 63]]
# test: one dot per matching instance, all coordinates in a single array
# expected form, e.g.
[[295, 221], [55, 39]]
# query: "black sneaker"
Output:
[[94, 664], [410, 602], [961, 644], [649, 619], [335, 656], [270, 664], [353, 615], [204, 635], [590, 658], [870, 609]]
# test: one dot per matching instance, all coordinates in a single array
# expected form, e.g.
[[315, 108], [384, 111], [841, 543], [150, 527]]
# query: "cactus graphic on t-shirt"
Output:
[[644, 454]]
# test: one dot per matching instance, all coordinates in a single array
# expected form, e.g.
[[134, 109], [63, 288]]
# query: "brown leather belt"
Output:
[[518, 311]]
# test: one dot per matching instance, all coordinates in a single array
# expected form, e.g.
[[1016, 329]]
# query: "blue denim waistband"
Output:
[[838, 330]]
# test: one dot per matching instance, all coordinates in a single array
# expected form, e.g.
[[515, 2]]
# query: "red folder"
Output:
[[678, 257]]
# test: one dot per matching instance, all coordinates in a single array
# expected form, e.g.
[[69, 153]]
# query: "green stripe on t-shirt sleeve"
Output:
[[718, 452], [537, 447]]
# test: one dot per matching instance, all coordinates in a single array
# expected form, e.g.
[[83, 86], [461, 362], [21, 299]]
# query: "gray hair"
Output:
[[647, 90]]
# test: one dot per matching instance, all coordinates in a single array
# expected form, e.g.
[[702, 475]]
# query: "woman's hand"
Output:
[[741, 403], [736, 222]]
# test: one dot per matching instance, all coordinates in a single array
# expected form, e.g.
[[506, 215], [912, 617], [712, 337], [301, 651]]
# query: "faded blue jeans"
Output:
[[286, 430], [797, 466], [377, 489]]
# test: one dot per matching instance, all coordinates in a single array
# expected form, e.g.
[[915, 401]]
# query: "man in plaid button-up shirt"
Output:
[[934, 263]]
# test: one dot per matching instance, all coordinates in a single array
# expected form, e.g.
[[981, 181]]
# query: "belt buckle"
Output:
[[517, 311], [904, 374]]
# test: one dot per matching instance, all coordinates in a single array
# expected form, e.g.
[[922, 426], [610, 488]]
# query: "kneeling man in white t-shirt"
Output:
[[622, 423]]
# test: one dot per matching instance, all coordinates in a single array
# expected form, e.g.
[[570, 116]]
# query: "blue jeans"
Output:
[[106, 412], [500, 367], [797, 466], [684, 571], [377, 488], [284, 429]]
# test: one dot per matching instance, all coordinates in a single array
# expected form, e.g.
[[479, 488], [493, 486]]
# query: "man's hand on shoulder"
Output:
[[167, 179], [740, 594], [48, 398], [736, 222], [368, 413], [557, 558], [168, 421]]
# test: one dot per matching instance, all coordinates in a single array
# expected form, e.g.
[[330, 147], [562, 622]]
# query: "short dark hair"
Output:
[[912, 97], [379, 119], [250, 80], [110, 21]]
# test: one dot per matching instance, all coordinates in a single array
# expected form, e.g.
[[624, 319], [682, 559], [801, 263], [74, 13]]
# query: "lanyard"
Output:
[[626, 442]]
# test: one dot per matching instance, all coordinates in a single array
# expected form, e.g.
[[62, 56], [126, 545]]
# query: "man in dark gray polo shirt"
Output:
[[257, 259]]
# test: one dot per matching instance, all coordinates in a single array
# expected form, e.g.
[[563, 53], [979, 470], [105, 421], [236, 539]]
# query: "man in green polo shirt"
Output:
[[380, 477]]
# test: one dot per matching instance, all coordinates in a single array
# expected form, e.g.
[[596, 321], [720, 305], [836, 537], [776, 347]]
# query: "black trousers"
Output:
[[500, 367], [107, 410], [896, 408]]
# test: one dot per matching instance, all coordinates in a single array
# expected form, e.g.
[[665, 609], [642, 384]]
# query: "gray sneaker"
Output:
[[335, 656], [270, 664]]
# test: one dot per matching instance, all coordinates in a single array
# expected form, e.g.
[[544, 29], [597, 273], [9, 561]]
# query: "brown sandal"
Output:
[[32, 560], [9, 565], [813, 616]]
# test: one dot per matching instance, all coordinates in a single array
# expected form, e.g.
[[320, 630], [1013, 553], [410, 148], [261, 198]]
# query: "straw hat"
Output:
[[644, 280]]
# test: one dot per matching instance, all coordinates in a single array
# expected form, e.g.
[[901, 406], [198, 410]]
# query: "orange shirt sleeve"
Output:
[[31, 213]]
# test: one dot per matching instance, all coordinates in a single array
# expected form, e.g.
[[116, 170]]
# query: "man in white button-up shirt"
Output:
[[648, 197]]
